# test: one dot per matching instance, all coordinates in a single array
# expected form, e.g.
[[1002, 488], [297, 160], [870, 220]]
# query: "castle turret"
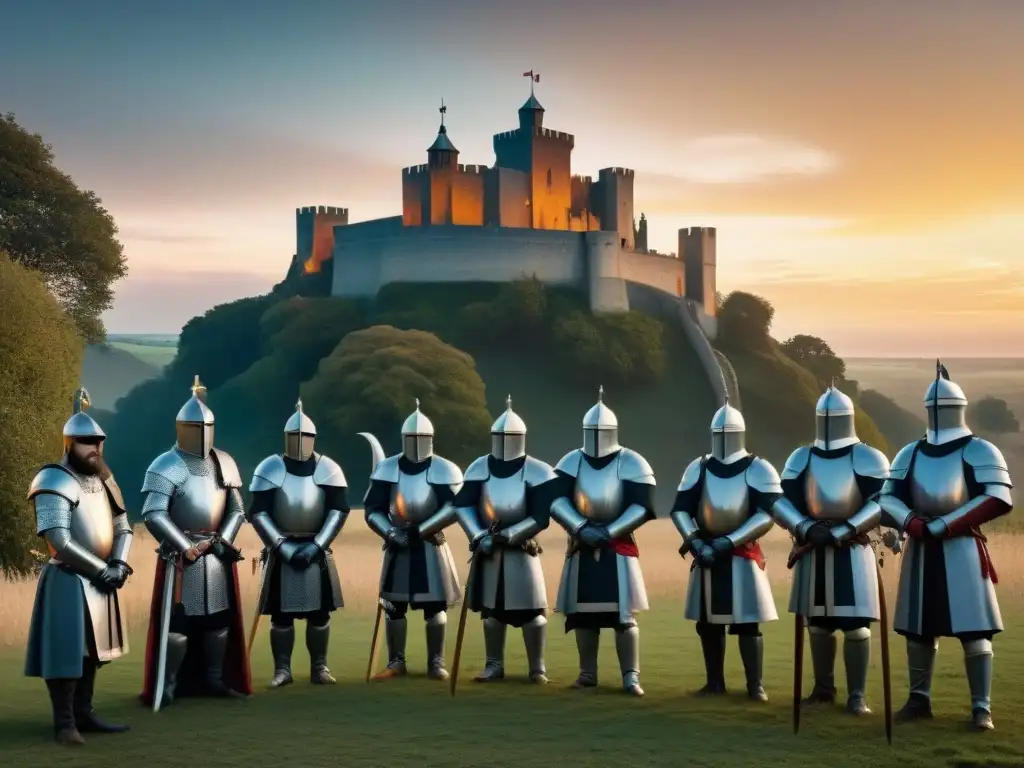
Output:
[[531, 114], [442, 153]]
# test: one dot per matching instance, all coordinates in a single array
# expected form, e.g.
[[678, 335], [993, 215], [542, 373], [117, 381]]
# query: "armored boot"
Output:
[[588, 641], [920, 665], [437, 625], [215, 648], [395, 632], [282, 643], [627, 648], [62, 699], [752, 655], [86, 719], [177, 647], [534, 637], [978, 661], [857, 659], [317, 638], [494, 645], [712, 645], [823, 661]]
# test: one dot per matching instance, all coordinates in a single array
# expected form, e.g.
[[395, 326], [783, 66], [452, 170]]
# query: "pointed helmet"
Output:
[[600, 429], [299, 435], [508, 435], [417, 436], [834, 418], [947, 408], [194, 423], [728, 434], [81, 426]]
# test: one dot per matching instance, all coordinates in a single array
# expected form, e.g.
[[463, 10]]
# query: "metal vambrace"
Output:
[[379, 524], [522, 531], [469, 521], [438, 521], [563, 513], [789, 517], [866, 518], [267, 530], [627, 522], [73, 554], [123, 537], [685, 524], [331, 528], [234, 519], [996, 501], [895, 514], [752, 529], [159, 523]]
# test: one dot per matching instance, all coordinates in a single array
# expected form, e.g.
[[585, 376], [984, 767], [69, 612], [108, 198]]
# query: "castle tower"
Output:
[[533, 168], [314, 235], [640, 235], [698, 249], [612, 201], [427, 189]]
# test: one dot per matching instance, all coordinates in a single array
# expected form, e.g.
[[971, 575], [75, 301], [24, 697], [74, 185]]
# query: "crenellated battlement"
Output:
[[473, 170], [467, 170], [546, 133], [415, 170], [327, 210], [580, 179], [698, 231], [629, 173]]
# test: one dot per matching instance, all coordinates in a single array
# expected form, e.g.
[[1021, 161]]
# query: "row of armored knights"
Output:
[[938, 492]]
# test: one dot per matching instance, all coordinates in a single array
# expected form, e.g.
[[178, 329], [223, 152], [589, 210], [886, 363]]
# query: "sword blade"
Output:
[[165, 626], [883, 626], [798, 671]]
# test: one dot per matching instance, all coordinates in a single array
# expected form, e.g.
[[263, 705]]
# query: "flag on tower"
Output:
[[533, 77]]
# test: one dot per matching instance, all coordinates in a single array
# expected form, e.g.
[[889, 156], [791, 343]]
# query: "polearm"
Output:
[[883, 625], [377, 456], [469, 589], [798, 648]]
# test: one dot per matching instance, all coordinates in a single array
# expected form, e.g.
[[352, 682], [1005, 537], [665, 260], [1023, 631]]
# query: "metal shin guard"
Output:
[[215, 648], [627, 648], [317, 640], [823, 661], [920, 666], [752, 655], [857, 659], [978, 663], [396, 632], [177, 647], [436, 628], [494, 647], [712, 646], [282, 643], [535, 638], [588, 642]]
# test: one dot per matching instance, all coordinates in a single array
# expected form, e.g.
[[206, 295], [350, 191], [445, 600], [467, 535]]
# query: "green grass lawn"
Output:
[[415, 722], [158, 355]]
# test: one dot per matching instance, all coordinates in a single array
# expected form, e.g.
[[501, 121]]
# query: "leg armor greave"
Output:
[[823, 661], [317, 639], [396, 633], [535, 638], [978, 663], [857, 659], [752, 655], [712, 645], [494, 647], [436, 628], [588, 642], [627, 648], [177, 647], [282, 643], [920, 666], [215, 648]]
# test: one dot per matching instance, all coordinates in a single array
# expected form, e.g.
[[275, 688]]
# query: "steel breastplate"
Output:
[[598, 493], [937, 483], [199, 504], [92, 522], [412, 500], [830, 488], [503, 499], [724, 504], [299, 506]]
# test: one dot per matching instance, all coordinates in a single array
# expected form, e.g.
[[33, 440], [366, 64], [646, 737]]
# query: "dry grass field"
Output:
[[415, 722]]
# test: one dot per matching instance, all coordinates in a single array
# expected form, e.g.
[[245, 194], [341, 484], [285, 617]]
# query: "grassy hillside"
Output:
[[110, 371]]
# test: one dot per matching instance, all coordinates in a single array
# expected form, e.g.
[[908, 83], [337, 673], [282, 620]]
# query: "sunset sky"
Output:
[[863, 161]]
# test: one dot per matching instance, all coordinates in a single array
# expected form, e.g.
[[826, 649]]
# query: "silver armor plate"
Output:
[[831, 488], [412, 500], [938, 484], [503, 499], [598, 492], [199, 504], [724, 504], [299, 506], [92, 521]]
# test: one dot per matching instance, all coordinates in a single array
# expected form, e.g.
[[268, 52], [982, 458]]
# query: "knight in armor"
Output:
[[502, 507], [941, 490], [193, 508], [723, 507], [299, 505], [77, 625], [603, 493], [408, 504], [831, 487]]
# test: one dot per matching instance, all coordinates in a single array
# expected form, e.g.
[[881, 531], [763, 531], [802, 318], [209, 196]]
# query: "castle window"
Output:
[[549, 178]]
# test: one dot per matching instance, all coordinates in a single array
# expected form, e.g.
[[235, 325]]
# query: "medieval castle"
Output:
[[527, 216]]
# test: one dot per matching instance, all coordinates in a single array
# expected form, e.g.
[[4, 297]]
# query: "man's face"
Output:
[[87, 452]]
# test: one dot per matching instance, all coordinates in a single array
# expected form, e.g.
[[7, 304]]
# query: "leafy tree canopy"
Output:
[[371, 381], [50, 225], [816, 356], [992, 415], [745, 321], [40, 363]]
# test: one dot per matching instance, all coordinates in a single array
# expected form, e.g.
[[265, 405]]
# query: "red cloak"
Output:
[[237, 674]]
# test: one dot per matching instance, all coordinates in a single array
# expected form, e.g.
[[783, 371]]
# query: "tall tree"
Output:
[[40, 362], [816, 356], [993, 415], [50, 225]]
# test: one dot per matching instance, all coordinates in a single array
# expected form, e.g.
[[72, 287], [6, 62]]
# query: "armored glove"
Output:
[[916, 528], [842, 532], [703, 553], [109, 579], [397, 538], [305, 555], [818, 535], [721, 545], [937, 528], [594, 536], [123, 572], [484, 545]]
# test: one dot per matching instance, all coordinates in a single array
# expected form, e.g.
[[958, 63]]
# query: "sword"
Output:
[[165, 624], [382, 606], [883, 625], [798, 671], [470, 585]]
